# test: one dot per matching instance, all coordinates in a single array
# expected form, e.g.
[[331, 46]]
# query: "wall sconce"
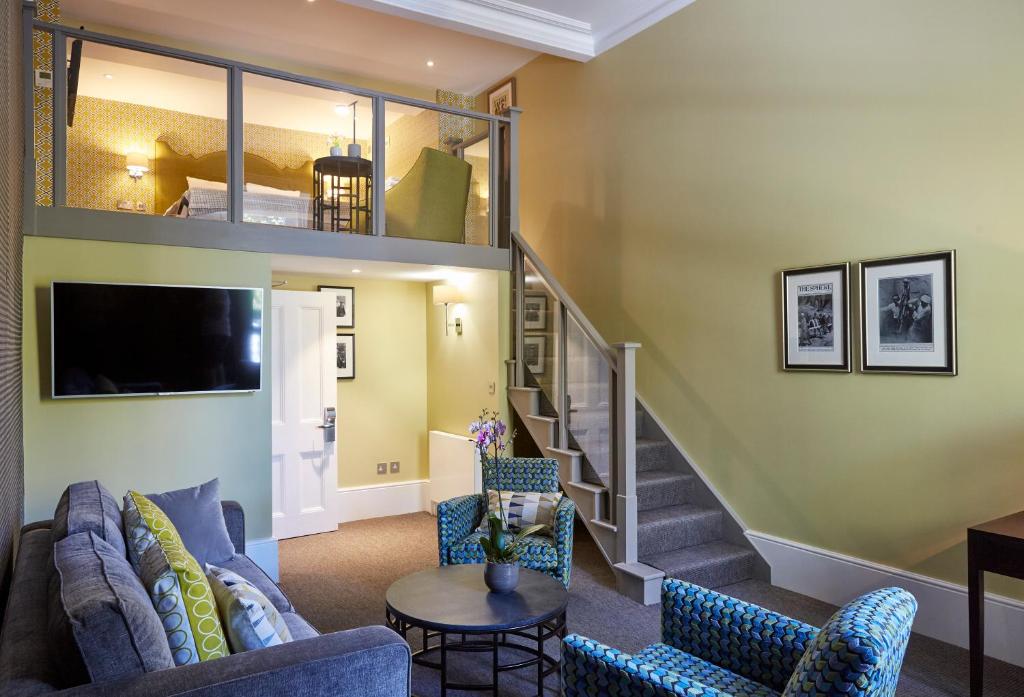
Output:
[[137, 164], [448, 295]]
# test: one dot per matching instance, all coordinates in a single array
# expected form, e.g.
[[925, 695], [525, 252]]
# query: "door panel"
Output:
[[304, 383]]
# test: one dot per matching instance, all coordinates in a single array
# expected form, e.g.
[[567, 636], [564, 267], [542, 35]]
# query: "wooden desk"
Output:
[[998, 547]]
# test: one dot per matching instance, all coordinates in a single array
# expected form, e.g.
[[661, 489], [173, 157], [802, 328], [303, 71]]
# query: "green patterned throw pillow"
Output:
[[179, 589], [523, 509], [250, 620]]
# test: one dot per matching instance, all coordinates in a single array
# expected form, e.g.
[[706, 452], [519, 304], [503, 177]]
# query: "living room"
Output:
[[742, 303]]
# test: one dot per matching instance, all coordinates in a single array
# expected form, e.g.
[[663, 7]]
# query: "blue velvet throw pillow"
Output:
[[199, 519]]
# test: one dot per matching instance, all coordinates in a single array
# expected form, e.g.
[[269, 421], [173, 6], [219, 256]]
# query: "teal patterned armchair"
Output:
[[458, 540], [716, 646]]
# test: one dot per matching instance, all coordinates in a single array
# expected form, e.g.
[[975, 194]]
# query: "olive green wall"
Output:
[[382, 413], [461, 369], [668, 181], [146, 443]]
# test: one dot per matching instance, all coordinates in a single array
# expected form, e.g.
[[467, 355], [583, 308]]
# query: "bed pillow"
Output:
[[101, 620], [199, 519], [250, 620], [523, 509], [196, 183], [179, 590], [260, 189]]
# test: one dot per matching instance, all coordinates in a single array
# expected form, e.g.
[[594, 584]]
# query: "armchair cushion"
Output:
[[538, 553], [672, 660], [522, 508]]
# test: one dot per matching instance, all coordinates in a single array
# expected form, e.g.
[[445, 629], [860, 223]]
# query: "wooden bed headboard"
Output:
[[170, 168]]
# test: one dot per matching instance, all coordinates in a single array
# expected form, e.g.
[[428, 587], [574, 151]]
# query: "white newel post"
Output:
[[625, 452]]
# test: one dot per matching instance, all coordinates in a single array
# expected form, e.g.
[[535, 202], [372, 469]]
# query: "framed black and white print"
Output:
[[534, 348], [908, 314], [535, 312], [345, 360], [816, 318], [344, 305]]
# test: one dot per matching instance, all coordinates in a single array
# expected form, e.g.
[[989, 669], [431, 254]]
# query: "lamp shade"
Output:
[[136, 161], [446, 295]]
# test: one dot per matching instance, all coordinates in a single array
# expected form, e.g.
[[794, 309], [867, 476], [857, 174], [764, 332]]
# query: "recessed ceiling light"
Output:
[[357, 270], [430, 64], [108, 76]]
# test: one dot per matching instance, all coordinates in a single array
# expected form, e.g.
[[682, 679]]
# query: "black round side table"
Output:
[[342, 194], [452, 604]]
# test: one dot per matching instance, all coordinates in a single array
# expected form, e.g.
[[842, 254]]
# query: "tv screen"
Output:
[[110, 339]]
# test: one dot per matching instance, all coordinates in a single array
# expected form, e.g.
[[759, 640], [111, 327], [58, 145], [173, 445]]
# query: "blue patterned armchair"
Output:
[[458, 541], [716, 646]]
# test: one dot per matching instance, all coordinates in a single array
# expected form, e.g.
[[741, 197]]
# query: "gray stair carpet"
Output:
[[677, 535]]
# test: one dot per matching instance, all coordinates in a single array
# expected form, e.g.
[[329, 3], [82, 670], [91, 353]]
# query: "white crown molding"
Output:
[[529, 27], [500, 20]]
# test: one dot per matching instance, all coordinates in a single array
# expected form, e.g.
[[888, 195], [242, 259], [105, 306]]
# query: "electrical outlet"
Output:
[[395, 467], [492, 387], [382, 468]]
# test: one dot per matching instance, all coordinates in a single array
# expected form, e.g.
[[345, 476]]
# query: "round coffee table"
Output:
[[453, 600]]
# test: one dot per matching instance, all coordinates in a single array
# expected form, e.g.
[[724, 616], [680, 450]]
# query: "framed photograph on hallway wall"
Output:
[[535, 312], [816, 318], [346, 356], [534, 348], [908, 314], [344, 305], [501, 97]]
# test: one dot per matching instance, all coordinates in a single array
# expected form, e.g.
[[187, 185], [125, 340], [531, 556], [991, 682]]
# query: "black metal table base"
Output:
[[485, 642]]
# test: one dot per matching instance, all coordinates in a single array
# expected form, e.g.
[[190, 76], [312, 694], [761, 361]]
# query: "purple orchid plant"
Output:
[[492, 439]]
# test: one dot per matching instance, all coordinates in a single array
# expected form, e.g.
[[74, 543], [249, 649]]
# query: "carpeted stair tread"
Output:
[[672, 527], [711, 565], [658, 488], [651, 454]]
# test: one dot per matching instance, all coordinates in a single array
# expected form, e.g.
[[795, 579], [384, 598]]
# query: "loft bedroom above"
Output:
[[140, 142]]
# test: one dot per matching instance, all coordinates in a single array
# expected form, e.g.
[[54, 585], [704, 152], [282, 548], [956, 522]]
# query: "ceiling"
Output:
[[351, 268], [472, 43]]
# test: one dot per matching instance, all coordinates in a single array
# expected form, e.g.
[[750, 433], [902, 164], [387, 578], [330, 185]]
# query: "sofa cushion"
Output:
[[522, 509], [249, 619], [299, 627], [199, 519], [89, 507], [179, 591], [668, 658], [539, 551], [247, 569], [104, 615]]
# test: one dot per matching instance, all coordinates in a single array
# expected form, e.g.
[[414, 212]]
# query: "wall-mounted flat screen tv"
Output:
[[117, 339]]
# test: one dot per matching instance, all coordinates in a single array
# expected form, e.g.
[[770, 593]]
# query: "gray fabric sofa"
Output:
[[371, 661]]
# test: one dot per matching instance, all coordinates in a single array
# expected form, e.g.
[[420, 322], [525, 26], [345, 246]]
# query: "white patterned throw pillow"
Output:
[[250, 620], [523, 509]]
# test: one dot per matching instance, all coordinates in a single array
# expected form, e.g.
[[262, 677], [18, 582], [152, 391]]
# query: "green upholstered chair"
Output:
[[429, 203]]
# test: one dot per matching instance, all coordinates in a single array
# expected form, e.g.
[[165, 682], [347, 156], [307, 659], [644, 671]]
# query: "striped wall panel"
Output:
[[11, 157]]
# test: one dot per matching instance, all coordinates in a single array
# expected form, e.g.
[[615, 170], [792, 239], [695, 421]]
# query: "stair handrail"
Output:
[[621, 360]]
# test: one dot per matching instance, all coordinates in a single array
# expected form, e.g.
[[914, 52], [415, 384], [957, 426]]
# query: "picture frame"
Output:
[[908, 314], [816, 318], [534, 348], [535, 311], [344, 305], [345, 356], [501, 97]]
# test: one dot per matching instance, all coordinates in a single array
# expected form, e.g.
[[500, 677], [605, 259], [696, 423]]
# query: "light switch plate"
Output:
[[395, 466], [382, 468]]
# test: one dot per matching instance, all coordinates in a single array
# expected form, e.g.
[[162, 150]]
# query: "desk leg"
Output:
[[976, 603]]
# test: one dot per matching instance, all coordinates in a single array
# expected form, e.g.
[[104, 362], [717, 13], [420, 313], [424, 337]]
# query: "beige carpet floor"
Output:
[[338, 580]]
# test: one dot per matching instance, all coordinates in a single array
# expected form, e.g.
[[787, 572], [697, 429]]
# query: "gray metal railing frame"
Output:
[[235, 72]]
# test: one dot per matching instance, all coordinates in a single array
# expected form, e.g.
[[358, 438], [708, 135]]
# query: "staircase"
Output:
[[648, 509]]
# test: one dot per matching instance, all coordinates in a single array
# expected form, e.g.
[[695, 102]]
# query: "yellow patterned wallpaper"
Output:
[[105, 131]]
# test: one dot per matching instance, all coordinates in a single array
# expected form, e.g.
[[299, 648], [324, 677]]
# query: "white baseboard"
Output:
[[264, 553], [942, 606], [362, 502]]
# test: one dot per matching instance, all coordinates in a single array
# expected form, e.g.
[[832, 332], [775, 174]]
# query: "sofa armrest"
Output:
[[234, 518], [565, 519], [747, 639], [365, 661], [456, 518], [591, 669]]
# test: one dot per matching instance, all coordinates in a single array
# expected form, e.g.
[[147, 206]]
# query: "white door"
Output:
[[304, 385]]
